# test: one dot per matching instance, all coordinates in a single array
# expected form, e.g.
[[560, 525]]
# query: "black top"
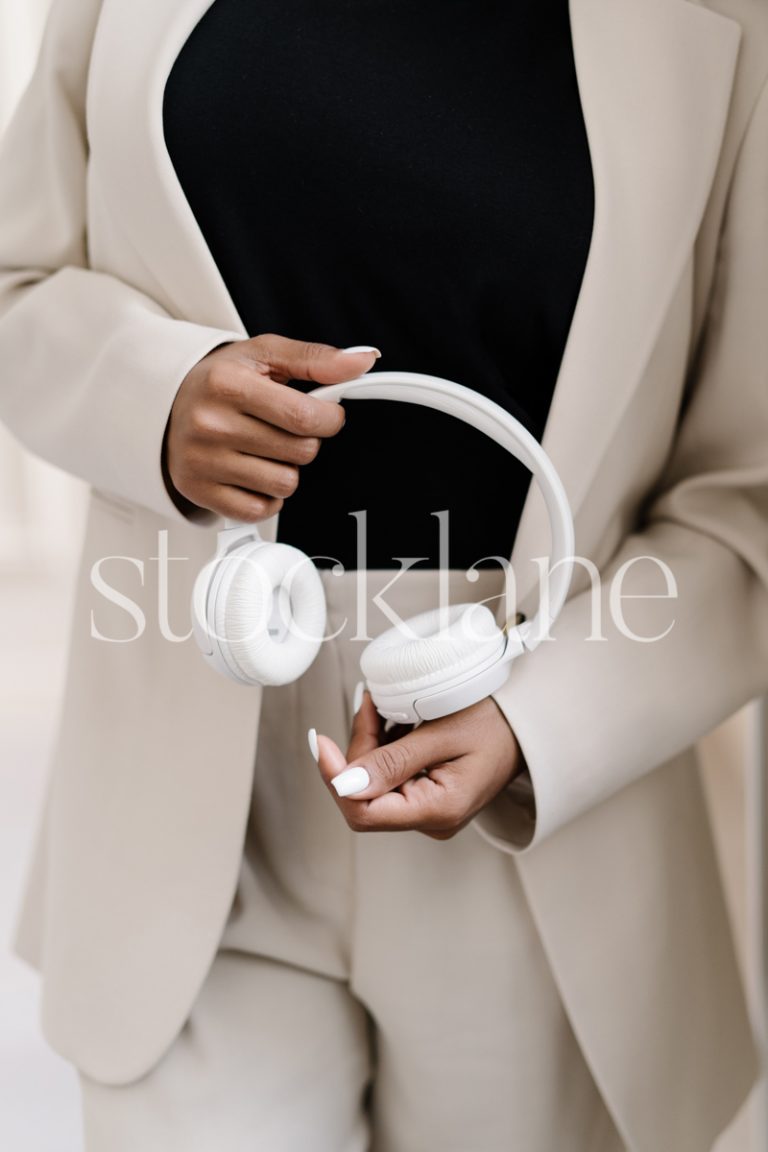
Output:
[[412, 174]]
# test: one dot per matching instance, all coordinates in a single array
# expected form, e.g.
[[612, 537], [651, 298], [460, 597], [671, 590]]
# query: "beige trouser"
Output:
[[382, 992]]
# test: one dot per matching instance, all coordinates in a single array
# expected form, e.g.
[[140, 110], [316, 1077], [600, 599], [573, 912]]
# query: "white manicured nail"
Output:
[[361, 348], [351, 781], [312, 741], [357, 699]]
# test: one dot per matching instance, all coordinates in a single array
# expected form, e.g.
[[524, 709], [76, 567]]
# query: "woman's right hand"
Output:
[[237, 433]]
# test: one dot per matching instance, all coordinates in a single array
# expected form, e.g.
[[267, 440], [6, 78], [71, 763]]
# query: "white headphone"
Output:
[[258, 608]]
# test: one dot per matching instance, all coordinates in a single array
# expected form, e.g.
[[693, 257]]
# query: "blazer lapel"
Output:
[[655, 79], [143, 187]]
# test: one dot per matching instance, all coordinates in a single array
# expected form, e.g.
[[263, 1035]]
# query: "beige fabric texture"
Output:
[[367, 994], [108, 294]]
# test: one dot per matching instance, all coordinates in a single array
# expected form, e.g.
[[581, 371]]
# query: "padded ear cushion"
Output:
[[431, 648], [252, 578]]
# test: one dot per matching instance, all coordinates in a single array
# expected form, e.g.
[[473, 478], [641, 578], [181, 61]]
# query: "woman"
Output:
[[225, 961]]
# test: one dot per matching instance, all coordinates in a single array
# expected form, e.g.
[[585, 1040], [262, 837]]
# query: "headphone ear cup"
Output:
[[269, 613], [431, 648]]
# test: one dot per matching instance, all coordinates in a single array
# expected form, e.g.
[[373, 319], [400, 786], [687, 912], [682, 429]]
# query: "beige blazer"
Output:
[[659, 428]]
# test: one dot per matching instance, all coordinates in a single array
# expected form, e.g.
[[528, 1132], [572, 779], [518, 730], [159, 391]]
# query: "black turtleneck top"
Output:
[[412, 174]]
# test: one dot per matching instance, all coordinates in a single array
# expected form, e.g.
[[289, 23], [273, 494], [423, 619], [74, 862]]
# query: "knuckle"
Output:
[[228, 507], [314, 351], [223, 381], [303, 415], [243, 505], [453, 812], [198, 461], [251, 509], [203, 423], [261, 347], [307, 449], [289, 482], [393, 761], [341, 415], [224, 507]]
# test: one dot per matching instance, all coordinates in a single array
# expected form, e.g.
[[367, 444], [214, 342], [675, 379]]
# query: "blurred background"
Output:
[[41, 521]]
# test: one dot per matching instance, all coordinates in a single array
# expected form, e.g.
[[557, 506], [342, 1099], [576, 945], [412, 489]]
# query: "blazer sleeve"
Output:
[[592, 717], [90, 365]]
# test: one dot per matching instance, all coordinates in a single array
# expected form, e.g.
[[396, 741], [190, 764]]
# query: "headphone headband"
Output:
[[499, 425]]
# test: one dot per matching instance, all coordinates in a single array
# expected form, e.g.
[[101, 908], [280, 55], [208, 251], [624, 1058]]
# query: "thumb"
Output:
[[304, 360], [382, 769]]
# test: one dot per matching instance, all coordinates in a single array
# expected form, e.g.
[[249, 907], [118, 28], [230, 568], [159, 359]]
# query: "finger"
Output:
[[308, 360], [389, 765], [330, 758], [417, 805], [254, 474], [333, 766], [366, 729], [438, 804], [433, 804], [258, 438], [237, 503], [287, 408]]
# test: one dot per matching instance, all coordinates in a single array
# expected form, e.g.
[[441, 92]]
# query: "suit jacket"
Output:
[[659, 428]]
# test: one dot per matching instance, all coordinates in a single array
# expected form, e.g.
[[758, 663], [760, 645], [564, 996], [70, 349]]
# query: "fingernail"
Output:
[[357, 699], [351, 781], [312, 741], [361, 348]]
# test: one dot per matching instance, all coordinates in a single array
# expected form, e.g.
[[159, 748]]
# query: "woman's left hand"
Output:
[[434, 779]]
